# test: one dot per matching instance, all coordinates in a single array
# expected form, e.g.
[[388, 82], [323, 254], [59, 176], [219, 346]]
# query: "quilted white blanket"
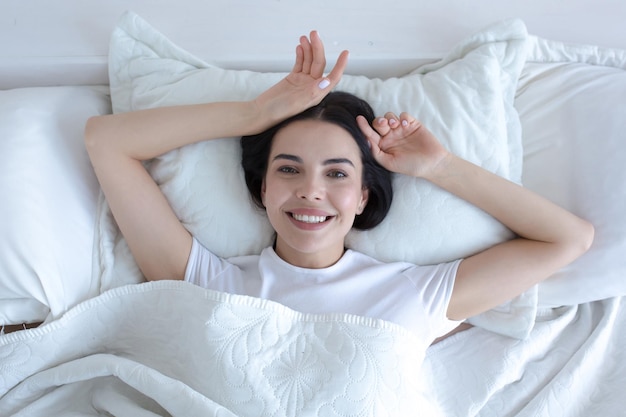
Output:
[[170, 348]]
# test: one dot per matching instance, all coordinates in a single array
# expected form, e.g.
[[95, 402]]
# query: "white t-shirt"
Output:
[[412, 296]]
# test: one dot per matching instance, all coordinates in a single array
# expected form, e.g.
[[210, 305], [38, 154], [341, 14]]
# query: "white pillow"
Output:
[[466, 99], [572, 104], [49, 195]]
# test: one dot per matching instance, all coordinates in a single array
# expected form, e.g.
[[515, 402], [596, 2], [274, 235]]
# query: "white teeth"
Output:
[[309, 219]]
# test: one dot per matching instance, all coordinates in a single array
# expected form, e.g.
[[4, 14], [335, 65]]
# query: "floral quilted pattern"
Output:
[[200, 352], [276, 362], [297, 375]]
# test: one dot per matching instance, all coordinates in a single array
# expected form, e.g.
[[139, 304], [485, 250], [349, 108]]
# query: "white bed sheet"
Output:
[[573, 364]]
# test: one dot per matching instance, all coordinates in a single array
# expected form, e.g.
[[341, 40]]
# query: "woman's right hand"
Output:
[[305, 86]]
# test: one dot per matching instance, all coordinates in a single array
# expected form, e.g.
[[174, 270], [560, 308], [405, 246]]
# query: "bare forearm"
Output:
[[145, 134], [527, 214]]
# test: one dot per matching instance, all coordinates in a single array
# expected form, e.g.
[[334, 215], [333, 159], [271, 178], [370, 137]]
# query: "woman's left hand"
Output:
[[403, 145]]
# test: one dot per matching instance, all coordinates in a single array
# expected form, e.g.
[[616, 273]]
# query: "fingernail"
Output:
[[324, 83], [405, 123], [393, 121]]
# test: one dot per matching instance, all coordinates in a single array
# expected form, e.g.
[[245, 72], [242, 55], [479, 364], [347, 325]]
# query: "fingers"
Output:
[[373, 138], [335, 74], [392, 128], [318, 57], [403, 120], [297, 67], [311, 59], [307, 54], [384, 125], [310, 56], [392, 120], [370, 134]]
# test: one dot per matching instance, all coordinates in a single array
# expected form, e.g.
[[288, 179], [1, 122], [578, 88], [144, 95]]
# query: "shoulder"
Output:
[[408, 268], [431, 281], [200, 251], [204, 265]]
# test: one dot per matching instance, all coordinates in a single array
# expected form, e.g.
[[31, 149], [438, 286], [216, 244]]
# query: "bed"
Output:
[[533, 92]]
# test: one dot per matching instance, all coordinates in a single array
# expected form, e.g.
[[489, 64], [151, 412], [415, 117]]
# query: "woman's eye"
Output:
[[287, 170], [337, 174]]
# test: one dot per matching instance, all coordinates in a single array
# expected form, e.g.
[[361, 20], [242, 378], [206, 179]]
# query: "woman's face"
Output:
[[312, 191]]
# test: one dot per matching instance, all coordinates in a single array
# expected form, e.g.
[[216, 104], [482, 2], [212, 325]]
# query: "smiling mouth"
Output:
[[309, 219]]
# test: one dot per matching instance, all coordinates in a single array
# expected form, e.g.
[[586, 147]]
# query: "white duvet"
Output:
[[171, 348]]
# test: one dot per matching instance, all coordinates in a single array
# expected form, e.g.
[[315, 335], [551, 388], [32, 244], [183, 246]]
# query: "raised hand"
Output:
[[305, 86], [403, 145]]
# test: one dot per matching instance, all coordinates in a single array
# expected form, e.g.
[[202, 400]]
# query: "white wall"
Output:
[[237, 33]]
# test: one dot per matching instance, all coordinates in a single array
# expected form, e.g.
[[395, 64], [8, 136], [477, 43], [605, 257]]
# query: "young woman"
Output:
[[317, 174]]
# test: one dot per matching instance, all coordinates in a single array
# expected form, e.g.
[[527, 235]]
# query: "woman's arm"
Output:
[[117, 145], [548, 237]]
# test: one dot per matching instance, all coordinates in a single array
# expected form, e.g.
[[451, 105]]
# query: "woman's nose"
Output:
[[310, 188]]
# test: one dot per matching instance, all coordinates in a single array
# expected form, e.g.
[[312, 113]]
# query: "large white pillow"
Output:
[[49, 195], [572, 104], [466, 99]]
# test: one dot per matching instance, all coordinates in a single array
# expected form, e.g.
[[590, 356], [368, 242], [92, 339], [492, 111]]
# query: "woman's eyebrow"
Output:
[[338, 161], [289, 157], [299, 160]]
